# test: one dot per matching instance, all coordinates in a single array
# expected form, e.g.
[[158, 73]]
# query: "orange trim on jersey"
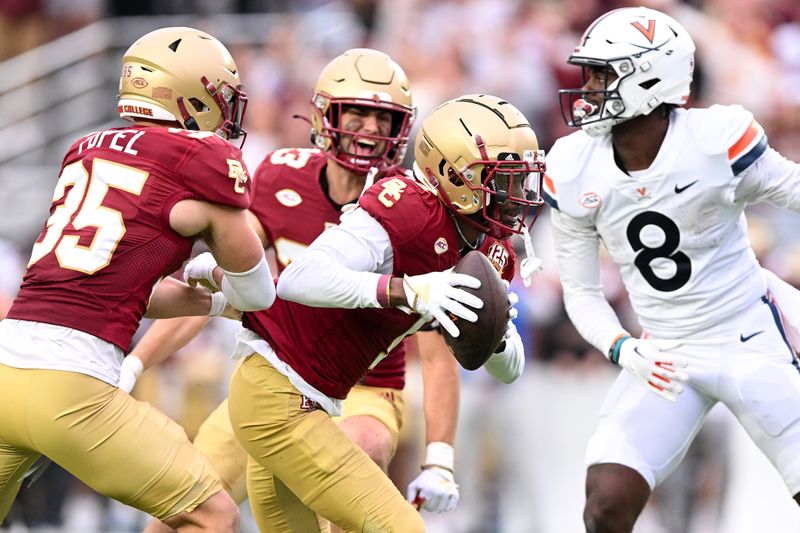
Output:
[[743, 142], [649, 32], [549, 184]]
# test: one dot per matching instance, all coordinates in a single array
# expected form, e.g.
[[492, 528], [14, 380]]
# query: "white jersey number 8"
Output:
[[667, 250]]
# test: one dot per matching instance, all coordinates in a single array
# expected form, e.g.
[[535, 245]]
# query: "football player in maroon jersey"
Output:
[[361, 116], [128, 205], [355, 293]]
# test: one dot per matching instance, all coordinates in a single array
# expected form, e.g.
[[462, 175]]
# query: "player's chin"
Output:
[[511, 221]]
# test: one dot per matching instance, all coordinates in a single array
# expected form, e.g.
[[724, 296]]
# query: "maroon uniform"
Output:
[[332, 348], [108, 239], [291, 205]]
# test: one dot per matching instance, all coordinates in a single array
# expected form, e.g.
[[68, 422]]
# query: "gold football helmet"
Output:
[[365, 78], [186, 76], [479, 153]]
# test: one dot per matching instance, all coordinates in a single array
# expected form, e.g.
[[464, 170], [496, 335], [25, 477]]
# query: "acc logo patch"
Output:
[[440, 246], [139, 83], [590, 200], [288, 197]]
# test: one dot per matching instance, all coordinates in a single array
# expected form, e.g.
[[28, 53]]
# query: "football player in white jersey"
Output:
[[664, 189]]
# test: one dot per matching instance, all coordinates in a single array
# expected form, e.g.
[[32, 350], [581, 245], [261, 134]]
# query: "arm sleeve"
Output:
[[249, 291], [578, 254], [342, 266], [771, 178]]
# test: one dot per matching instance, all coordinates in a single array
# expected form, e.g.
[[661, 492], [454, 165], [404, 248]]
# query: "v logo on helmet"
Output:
[[649, 32]]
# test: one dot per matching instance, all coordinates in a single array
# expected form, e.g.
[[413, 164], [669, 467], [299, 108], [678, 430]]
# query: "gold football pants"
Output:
[[308, 454], [122, 448], [216, 440]]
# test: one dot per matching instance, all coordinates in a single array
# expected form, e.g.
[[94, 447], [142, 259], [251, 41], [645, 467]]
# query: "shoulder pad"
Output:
[[290, 164], [716, 129], [564, 163], [216, 173], [400, 204], [566, 157]]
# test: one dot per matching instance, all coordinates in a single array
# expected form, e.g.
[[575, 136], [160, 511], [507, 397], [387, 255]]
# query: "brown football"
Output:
[[478, 340]]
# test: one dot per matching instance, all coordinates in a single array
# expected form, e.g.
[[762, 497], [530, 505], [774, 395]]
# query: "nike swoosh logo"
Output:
[[746, 338], [679, 190]]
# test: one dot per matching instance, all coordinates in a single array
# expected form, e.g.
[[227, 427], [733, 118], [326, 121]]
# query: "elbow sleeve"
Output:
[[249, 291]]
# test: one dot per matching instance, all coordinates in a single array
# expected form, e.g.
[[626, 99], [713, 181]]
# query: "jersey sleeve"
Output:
[[214, 171], [563, 166], [549, 193], [341, 267], [502, 256], [746, 141], [731, 130], [578, 255], [511, 267], [772, 178], [400, 205]]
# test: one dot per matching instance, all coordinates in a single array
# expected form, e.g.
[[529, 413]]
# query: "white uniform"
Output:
[[678, 233]]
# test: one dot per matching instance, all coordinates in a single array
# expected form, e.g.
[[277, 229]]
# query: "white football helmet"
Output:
[[653, 57]]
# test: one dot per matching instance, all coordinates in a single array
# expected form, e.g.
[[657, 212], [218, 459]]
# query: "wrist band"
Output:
[[134, 364], [439, 455], [218, 304], [383, 290], [440, 467], [613, 351]]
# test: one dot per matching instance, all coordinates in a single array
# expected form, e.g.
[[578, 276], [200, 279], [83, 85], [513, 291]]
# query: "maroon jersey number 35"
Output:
[[108, 239]]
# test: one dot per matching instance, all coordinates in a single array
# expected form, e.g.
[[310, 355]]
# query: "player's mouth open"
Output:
[[363, 147]]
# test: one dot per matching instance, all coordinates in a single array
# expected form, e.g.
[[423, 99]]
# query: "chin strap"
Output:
[[471, 246], [531, 264]]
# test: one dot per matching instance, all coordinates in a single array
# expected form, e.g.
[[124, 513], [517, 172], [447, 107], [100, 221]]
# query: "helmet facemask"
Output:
[[494, 183], [230, 101], [329, 112], [581, 107]]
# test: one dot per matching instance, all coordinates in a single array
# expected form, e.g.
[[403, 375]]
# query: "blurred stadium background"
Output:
[[520, 447]]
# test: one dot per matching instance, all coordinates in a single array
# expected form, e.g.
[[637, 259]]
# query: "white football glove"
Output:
[[435, 295], [513, 300], [130, 370], [656, 369], [507, 365], [200, 270], [435, 488]]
